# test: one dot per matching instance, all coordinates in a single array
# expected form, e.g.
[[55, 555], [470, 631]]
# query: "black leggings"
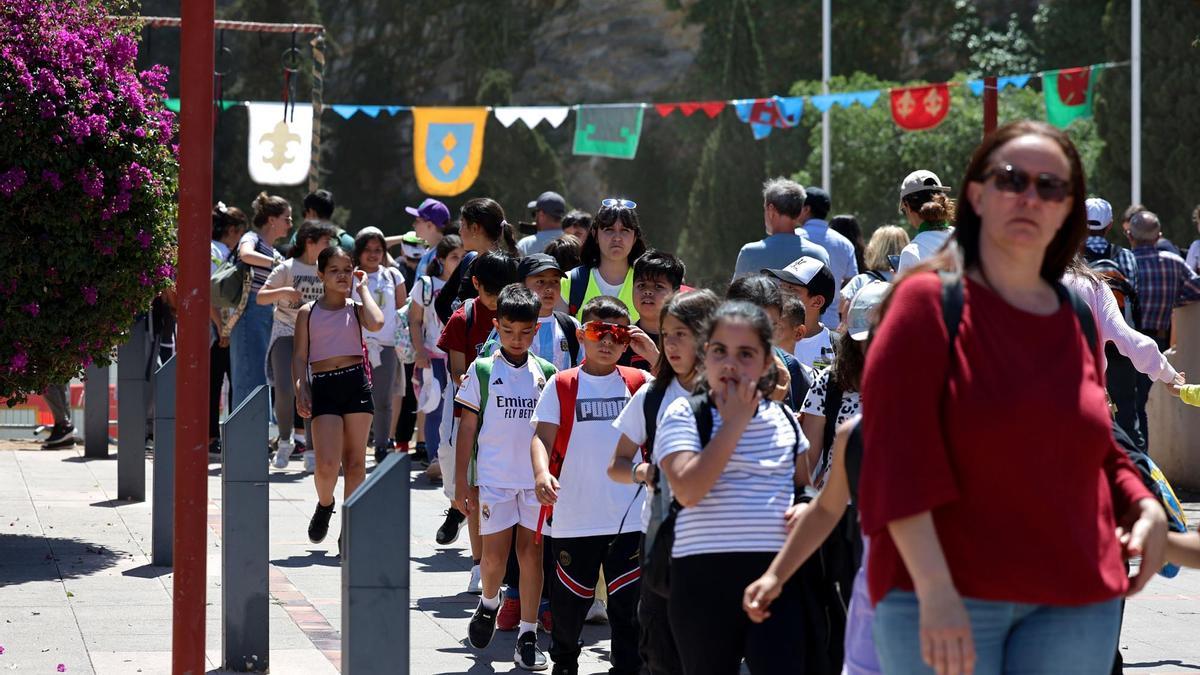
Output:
[[656, 642], [712, 631], [406, 423]]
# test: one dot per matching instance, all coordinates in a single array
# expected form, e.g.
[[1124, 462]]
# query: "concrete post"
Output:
[[95, 412], [131, 415], [245, 537], [375, 579], [1175, 427], [162, 513]]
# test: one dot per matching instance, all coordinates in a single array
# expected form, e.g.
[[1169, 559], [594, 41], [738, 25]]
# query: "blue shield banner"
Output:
[[447, 148]]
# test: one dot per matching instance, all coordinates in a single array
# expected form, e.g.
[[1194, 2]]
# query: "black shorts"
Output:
[[341, 392]]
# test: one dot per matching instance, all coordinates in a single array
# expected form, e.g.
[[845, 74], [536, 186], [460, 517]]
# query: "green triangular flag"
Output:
[[1068, 95], [172, 104], [608, 131]]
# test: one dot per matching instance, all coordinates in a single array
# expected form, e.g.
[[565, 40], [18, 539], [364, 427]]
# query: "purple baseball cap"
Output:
[[431, 210]]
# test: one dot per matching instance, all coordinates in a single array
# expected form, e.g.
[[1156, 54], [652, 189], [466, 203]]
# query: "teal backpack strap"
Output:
[[483, 372], [547, 368]]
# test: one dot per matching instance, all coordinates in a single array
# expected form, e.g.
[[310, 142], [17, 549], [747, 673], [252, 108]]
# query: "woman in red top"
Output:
[[991, 485]]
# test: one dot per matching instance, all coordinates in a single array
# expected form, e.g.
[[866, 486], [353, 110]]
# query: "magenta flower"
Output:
[[143, 238], [144, 279], [19, 362], [92, 183], [32, 308], [11, 181], [90, 294], [53, 179]]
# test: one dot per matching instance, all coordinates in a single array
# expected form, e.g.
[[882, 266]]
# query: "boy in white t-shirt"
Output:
[[493, 472], [556, 339], [594, 521], [810, 281]]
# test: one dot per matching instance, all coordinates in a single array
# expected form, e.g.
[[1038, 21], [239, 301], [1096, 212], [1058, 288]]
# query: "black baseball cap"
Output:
[[536, 263]]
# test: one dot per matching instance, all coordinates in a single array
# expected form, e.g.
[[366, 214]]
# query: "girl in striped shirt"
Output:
[[735, 490]]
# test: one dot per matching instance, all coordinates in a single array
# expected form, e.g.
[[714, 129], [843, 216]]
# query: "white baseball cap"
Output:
[[920, 181], [1099, 213], [862, 309]]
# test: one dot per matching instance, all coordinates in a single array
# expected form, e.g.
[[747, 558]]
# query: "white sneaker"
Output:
[[475, 586], [597, 613], [283, 453], [310, 461]]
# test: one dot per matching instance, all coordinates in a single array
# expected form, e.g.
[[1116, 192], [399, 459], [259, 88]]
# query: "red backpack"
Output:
[[566, 386]]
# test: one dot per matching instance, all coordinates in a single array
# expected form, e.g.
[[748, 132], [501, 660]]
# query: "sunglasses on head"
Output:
[[596, 330], [1008, 178], [618, 203]]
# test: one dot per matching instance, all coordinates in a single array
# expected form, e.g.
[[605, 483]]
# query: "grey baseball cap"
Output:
[[551, 203]]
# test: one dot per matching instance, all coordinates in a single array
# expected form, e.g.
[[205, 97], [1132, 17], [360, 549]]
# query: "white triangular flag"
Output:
[[280, 149], [532, 116]]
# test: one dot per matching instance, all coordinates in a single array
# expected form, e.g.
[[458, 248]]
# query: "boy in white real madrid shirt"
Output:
[[494, 473], [594, 521]]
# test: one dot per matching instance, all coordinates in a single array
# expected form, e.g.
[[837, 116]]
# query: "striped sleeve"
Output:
[[677, 431]]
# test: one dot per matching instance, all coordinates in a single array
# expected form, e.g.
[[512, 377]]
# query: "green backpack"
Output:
[[228, 283], [483, 372]]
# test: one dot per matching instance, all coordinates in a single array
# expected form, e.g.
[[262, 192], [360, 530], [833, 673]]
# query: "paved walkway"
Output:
[[77, 589]]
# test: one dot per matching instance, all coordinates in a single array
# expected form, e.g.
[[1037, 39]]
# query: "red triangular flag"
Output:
[[710, 108], [920, 108], [665, 109]]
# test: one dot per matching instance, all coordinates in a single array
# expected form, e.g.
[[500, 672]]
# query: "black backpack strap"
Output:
[[702, 410], [568, 329], [833, 403], [650, 405], [1082, 312], [791, 418], [952, 304], [579, 277], [876, 275], [852, 458]]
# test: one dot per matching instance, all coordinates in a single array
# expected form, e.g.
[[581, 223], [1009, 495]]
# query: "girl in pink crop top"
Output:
[[333, 385]]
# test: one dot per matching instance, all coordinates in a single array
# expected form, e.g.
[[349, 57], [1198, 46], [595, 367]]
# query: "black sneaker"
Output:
[[483, 624], [60, 437], [420, 454], [318, 527], [528, 656], [565, 669], [448, 533], [382, 453]]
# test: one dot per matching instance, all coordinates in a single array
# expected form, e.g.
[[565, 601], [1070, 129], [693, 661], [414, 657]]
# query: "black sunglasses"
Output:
[[1009, 178]]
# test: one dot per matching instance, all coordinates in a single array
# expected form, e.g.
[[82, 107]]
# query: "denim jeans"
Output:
[[1009, 637], [248, 349]]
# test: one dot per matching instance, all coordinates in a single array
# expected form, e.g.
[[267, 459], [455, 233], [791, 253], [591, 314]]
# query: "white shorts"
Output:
[[501, 508]]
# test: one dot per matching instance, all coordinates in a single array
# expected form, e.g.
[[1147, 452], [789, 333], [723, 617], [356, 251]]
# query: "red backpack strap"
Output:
[[566, 386], [634, 378]]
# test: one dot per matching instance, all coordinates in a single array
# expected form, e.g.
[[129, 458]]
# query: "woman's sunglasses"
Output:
[[618, 203], [596, 330], [1008, 178]]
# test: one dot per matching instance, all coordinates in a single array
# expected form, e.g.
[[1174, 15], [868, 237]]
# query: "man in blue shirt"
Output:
[[783, 204], [841, 252]]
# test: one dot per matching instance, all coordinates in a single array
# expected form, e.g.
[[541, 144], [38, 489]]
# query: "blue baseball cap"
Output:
[[431, 210]]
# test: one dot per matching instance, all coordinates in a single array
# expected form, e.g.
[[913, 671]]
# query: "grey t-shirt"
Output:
[[536, 243], [776, 252]]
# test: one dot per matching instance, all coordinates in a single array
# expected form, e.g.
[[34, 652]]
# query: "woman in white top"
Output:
[[924, 203], [885, 246], [734, 491], [387, 288], [229, 224], [291, 284], [425, 328], [683, 319]]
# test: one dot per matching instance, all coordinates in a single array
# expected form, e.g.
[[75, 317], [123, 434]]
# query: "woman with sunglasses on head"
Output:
[[997, 565], [483, 229], [614, 242], [732, 458]]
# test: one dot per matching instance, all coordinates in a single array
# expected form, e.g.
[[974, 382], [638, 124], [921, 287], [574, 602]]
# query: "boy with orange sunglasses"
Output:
[[588, 514]]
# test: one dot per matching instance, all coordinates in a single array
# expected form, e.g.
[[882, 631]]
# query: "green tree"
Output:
[[725, 203], [1170, 112]]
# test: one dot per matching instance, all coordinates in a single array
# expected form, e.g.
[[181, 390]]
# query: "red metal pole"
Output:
[[191, 393], [990, 104]]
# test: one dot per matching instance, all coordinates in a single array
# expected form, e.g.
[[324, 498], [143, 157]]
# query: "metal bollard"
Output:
[[244, 537], [131, 415], [95, 412], [375, 578], [162, 512]]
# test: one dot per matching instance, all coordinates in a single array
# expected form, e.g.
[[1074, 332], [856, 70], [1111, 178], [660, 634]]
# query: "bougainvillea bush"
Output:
[[87, 189]]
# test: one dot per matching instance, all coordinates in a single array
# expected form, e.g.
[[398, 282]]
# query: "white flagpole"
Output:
[[1135, 103], [826, 55]]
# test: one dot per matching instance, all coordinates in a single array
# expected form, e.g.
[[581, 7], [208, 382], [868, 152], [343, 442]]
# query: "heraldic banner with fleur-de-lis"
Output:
[[280, 147], [447, 148]]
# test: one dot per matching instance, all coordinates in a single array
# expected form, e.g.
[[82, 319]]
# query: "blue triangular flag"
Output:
[[346, 111]]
